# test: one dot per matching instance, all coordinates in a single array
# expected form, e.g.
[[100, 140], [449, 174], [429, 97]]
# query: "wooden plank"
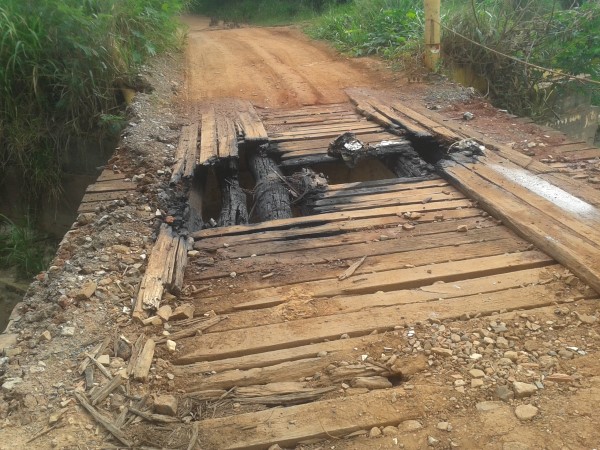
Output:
[[111, 186], [575, 187], [158, 273], [290, 426], [546, 232], [341, 127], [375, 248], [369, 138], [104, 196], [89, 207], [360, 237], [327, 229], [324, 218], [389, 200], [322, 119], [397, 187], [226, 137], [110, 175], [324, 134], [567, 147], [189, 139], [372, 264], [584, 222], [252, 126], [581, 155], [187, 365], [208, 138], [309, 161], [186, 153], [409, 182], [406, 196], [306, 111], [294, 333]]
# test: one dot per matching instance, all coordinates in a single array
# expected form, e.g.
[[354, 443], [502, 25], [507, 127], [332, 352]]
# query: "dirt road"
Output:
[[272, 67]]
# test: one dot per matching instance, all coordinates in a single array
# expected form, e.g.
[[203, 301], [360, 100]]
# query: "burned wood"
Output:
[[351, 150], [409, 164], [194, 209], [234, 210], [271, 195]]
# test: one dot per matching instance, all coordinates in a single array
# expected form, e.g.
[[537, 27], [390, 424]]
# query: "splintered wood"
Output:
[[165, 269]]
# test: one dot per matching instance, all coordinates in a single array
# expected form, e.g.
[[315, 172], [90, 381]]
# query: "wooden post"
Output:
[[432, 33]]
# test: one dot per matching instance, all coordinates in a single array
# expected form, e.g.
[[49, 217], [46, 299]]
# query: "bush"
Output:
[[23, 248], [61, 62]]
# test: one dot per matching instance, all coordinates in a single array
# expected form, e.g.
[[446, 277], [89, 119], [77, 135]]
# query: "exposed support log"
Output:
[[351, 150], [234, 210], [271, 195], [409, 164]]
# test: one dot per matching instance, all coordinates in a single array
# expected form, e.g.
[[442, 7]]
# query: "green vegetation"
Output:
[[61, 64], [389, 28], [22, 248], [263, 12]]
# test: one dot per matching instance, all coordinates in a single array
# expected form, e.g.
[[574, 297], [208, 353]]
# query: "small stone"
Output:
[[166, 405], [193, 253], [275, 447], [526, 412], [182, 312], [587, 319], [443, 426], [345, 336], [68, 331], [504, 393], [45, 336], [10, 383], [446, 352], [322, 354], [409, 425], [104, 360], [375, 432], [477, 383], [432, 442], [501, 342], [476, 356], [455, 338], [513, 356], [476, 373], [468, 116], [123, 350], [488, 406], [390, 431], [523, 390], [164, 312], [408, 226], [87, 290], [171, 345], [565, 354], [546, 361], [462, 228], [371, 383]]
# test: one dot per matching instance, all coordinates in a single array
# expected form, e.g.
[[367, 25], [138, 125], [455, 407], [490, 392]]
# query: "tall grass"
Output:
[[61, 63], [23, 248], [263, 12], [365, 27]]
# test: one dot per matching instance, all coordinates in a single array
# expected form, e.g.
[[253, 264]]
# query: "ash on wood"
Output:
[[351, 150], [409, 164], [271, 195]]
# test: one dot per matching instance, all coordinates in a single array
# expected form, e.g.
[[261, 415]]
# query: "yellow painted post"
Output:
[[432, 33]]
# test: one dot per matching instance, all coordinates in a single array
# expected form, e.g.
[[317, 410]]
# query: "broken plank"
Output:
[[110, 175], [330, 217], [319, 143], [208, 138], [323, 134], [112, 429], [186, 153], [251, 124], [144, 361], [335, 418], [226, 137]]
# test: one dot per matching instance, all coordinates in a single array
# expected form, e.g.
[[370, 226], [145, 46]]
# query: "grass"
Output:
[[61, 64], [263, 12], [23, 248]]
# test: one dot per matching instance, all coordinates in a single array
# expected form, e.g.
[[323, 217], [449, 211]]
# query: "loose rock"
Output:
[[165, 404], [526, 412]]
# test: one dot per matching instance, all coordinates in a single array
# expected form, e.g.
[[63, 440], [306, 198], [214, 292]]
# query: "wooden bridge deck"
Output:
[[300, 323]]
